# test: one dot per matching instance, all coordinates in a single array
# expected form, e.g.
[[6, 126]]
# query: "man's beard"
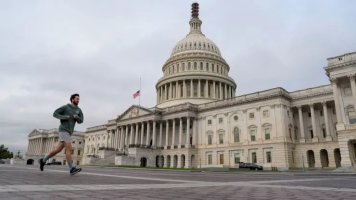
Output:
[[75, 103]]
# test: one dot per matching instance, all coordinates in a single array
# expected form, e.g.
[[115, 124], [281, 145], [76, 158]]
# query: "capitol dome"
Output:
[[195, 72]]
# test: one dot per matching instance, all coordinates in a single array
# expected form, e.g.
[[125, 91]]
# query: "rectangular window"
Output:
[[210, 139], [237, 158], [324, 133], [267, 134], [268, 157], [252, 115], [210, 159], [265, 113], [221, 159], [221, 120], [253, 135], [254, 157], [321, 113], [221, 138], [78, 152], [72, 151], [209, 121]]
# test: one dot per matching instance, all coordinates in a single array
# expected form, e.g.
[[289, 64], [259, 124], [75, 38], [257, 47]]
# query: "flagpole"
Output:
[[139, 96]]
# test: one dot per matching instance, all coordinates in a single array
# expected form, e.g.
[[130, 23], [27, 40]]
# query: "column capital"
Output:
[[299, 107], [323, 103], [351, 76], [333, 80], [311, 105]]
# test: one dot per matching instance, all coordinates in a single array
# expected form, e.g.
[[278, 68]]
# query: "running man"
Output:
[[68, 115]]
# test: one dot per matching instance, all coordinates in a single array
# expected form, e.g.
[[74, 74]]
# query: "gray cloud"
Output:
[[51, 49]]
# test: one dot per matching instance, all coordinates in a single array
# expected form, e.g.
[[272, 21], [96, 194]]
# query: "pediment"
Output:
[[134, 111]]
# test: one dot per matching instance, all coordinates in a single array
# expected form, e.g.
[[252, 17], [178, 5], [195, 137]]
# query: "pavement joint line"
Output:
[[120, 176], [177, 184], [47, 188]]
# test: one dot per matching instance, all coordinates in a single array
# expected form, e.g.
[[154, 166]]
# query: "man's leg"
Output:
[[43, 160], [68, 147], [59, 148], [72, 169]]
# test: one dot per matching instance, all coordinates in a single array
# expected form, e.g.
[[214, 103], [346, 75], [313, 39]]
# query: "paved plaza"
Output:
[[27, 182]]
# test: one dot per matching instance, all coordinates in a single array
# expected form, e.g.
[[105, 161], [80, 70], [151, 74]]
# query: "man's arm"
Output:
[[59, 113], [80, 117]]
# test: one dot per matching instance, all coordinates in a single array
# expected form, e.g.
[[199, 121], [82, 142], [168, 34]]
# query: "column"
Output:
[[170, 91], [165, 92], [353, 88], [107, 140], [214, 90], [154, 135], [315, 134], [122, 137], [116, 138], [165, 161], [206, 88], [41, 145], [136, 135], [225, 87], [194, 131], [336, 99], [160, 134], [229, 92], [148, 134], [161, 93], [301, 124], [173, 134], [191, 88], [167, 134], [199, 89], [177, 90], [184, 90], [220, 91], [187, 136], [142, 132], [126, 135], [180, 132], [187, 161], [131, 134], [326, 119], [342, 108]]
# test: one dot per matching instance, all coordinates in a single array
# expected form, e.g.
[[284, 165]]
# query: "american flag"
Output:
[[136, 94]]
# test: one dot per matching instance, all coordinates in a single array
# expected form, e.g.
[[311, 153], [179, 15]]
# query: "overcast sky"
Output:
[[99, 49]]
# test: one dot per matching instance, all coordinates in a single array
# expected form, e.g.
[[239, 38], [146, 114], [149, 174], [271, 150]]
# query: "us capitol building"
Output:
[[199, 122]]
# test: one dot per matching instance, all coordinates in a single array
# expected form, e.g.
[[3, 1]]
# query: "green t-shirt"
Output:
[[68, 115]]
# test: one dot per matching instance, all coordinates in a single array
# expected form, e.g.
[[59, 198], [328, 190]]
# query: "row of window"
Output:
[[195, 45], [195, 66], [72, 152], [237, 158], [237, 134], [98, 138], [236, 118]]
